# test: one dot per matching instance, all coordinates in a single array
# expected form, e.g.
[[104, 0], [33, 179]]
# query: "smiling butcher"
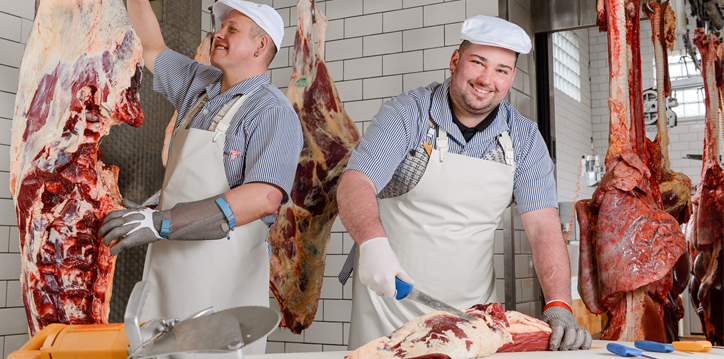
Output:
[[232, 160], [426, 186]]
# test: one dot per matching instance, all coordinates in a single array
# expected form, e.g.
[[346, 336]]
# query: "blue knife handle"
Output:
[[654, 346], [622, 350], [403, 288]]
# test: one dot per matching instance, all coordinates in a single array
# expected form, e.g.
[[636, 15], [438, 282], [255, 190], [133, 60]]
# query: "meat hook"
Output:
[[314, 18], [213, 19], [648, 6]]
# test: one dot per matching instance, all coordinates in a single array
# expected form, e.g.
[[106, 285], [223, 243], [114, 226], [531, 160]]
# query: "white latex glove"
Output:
[[378, 267]]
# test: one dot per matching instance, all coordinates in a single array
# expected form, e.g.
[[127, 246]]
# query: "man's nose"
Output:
[[485, 76]]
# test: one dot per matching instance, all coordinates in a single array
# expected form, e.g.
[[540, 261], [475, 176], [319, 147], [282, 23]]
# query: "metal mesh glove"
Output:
[[200, 220], [378, 267], [567, 334]]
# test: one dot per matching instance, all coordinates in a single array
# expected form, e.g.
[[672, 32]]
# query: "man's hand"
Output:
[[133, 226], [209, 219], [378, 267], [567, 334]]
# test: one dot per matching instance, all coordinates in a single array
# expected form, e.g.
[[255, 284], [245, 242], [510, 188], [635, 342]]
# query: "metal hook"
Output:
[[648, 6], [213, 19], [314, 6]]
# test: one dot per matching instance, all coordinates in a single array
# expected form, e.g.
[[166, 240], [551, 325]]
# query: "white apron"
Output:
[[189, 276], [442, 232]]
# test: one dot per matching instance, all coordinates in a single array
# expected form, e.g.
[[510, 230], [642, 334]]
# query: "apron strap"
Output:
[[198, 105], [220, 122], [507, 145]]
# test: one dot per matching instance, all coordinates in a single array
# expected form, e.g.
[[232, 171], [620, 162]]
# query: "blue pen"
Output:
[[625, 351]]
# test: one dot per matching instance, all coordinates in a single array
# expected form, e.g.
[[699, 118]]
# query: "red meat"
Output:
[[80, 75], [303, 226]]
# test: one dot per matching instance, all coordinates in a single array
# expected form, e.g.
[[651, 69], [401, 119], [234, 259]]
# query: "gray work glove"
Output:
[[567, 334], [188, 221]]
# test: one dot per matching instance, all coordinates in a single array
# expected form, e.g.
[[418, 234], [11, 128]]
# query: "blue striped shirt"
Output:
[[402, 123], [264, 139]]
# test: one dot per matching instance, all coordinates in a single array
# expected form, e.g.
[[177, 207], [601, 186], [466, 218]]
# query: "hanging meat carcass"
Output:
[[705, 230], [628, 243], [675, 187], [203, 56], [303, 226], [80, 74], [444, 336]]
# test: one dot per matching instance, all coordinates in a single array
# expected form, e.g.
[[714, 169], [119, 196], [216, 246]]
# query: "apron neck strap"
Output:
[[195, 109], [441, 134], [220, 122]]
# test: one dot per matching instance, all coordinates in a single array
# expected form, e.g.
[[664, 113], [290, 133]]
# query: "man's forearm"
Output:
[[357, 203], [252, 201], [550, 255], [146, 25]]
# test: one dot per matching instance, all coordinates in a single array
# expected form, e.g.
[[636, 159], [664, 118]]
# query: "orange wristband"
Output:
[[557, 303]]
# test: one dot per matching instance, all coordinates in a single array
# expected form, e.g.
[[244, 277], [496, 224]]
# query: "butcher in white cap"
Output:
[[231, 163], [427, 185]]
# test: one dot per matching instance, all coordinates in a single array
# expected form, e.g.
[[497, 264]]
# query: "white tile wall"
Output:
[[15, 24], [574, 130]]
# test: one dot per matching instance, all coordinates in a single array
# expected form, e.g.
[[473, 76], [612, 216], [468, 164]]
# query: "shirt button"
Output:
[[206, 112]]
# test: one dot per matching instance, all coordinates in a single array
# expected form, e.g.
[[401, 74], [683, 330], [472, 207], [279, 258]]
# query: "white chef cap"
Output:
[[493, 31], [263, 15]]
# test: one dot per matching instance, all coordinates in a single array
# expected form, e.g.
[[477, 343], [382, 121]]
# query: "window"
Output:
[[566, 68], [687, 86]]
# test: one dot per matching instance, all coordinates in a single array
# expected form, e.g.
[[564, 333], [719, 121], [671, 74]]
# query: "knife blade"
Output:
[[406, 290]]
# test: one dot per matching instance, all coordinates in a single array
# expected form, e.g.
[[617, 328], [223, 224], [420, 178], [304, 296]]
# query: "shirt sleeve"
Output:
[[173, 75], [273, 143], [384, 143], [534, 184]]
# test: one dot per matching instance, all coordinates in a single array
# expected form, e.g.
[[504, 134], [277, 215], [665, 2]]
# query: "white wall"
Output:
[[574, 130], [15, 23]]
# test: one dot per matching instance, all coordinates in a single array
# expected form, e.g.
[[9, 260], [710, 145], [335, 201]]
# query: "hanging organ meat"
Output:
[[79, 75], [203, 56], [442, 335], [629, 244], [675, 187], [303, 226], [705, 231]]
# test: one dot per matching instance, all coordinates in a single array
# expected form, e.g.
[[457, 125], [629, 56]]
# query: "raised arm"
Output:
[[146, 25]]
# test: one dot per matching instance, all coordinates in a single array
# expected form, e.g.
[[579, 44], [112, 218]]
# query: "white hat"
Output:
[[263, 15], [493, 31]]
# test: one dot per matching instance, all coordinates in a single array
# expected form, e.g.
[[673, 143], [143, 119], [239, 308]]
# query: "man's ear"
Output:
[[262, 44], [454, 60]]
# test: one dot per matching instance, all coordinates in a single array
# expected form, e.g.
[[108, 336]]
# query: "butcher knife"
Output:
[[406, 290]]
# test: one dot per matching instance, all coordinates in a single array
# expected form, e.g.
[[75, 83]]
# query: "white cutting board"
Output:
[[593, 353]]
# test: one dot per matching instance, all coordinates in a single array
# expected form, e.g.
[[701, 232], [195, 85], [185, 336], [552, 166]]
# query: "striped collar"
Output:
[[213, 89]]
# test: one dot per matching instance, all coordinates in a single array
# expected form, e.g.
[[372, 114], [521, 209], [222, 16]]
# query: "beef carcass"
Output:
[[203, 56], [303, 226], [675, 187], [628, 243], [705, 230], [80, 74], [443, 335]]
